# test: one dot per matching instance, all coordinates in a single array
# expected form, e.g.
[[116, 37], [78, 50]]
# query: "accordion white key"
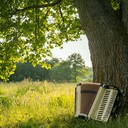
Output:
[[95, 101]]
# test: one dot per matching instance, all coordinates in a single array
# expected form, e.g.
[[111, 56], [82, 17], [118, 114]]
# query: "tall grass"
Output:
[[43, 105]]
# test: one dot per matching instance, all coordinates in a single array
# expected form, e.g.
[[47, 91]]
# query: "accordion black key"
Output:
[[95, 101]]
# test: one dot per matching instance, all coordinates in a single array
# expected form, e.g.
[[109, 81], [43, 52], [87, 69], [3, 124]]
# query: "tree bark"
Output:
[[108, 41]]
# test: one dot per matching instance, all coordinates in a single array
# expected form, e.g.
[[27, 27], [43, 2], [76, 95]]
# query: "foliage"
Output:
[[116, 4], [27, 71], [70, 70], [45, 105], [77, 64], [30, 29], [61, 70]]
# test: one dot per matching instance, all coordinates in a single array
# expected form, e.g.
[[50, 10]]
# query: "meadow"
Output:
[[44, 105]]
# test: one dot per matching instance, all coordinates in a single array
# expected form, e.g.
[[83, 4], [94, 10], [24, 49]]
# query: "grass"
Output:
[[44, 105]]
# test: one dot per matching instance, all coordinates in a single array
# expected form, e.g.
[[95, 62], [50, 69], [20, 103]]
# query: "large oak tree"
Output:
[[30, 29]]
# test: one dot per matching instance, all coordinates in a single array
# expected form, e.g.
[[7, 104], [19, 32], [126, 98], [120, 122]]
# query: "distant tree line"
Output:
[[71, 70]]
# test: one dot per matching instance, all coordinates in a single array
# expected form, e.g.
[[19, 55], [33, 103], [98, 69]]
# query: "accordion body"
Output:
[[95, 101]]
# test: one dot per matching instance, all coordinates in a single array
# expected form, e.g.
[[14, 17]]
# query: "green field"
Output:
[[44, 105]]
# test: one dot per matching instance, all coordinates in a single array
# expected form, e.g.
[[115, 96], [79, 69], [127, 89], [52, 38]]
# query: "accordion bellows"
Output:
[[94, 100]]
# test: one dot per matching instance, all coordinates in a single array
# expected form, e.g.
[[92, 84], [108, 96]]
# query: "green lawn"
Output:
[[44, 105]]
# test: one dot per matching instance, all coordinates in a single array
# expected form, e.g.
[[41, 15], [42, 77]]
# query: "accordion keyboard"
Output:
[[106, 105]]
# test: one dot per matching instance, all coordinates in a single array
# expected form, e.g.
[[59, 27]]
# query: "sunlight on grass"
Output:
[[43, 105]]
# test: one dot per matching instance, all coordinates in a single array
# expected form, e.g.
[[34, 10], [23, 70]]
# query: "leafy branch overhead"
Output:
[[49, 4], [13, 11], [30, 29]]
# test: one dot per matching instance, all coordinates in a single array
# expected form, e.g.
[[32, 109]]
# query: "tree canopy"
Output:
[[30, 29]]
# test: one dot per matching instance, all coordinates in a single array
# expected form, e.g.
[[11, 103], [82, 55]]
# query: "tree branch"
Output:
[[39, 6], [61, 14]]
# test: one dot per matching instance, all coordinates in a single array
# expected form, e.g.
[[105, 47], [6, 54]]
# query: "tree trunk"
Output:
[[108, 41]]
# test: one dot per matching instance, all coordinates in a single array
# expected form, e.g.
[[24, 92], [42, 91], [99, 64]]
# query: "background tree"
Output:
[[60, 71], [27, 71], [77, 65], [37, 73], [52, 62], [69, 70]]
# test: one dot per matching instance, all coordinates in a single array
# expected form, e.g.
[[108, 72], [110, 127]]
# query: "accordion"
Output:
[[96, 101]]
